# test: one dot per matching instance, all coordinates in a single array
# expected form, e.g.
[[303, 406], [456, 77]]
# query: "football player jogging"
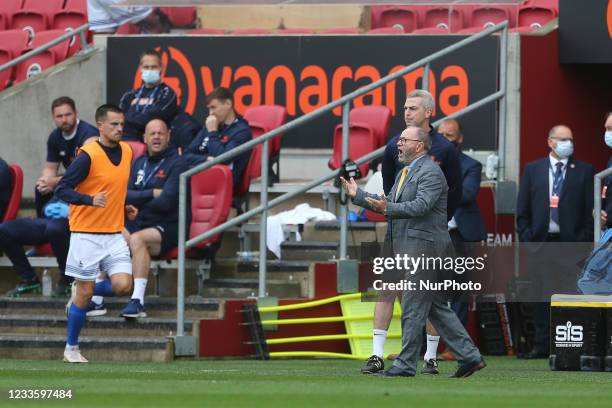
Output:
[[95, 185]]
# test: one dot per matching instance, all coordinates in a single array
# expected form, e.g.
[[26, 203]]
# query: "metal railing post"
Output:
[[503, 110], [343, 198], [182, 234], [425, 80], [263, 225]]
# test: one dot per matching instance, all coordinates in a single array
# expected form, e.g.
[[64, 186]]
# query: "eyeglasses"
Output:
[[403, 140]]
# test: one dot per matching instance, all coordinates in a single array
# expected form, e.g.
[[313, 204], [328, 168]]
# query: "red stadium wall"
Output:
[[551, 93]]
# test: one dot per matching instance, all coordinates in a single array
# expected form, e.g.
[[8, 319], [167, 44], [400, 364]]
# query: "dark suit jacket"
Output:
[[575, 202], [607, 204], [467, 216]]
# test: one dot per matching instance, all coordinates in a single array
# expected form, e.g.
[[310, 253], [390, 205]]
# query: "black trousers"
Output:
[[34, 231]]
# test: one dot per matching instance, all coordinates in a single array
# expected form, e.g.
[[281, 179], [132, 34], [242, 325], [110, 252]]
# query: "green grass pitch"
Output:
[[506, 382]]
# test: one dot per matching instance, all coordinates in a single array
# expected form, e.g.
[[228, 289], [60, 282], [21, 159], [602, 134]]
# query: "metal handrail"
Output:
[[184, 244], [597, 196], [85, 47]]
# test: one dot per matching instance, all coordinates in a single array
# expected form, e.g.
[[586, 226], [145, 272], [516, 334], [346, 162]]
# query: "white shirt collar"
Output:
[[553, 162], [70, 136]]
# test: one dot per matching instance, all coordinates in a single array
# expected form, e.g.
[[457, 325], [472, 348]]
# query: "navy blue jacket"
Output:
[[60, 150], [467, 216], [151, 172], [5, 186], [159, 103], [214, 144], [575, 202], [443, 152]]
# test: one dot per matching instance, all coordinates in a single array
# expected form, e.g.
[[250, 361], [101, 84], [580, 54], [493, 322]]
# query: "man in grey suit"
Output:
[[416, 212]]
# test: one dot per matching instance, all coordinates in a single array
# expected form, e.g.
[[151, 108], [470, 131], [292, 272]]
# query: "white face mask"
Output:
[[608, 138], [564, 149], [150, 76]]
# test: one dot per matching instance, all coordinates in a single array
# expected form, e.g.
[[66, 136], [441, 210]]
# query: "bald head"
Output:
[[156, 136], [451, 130]]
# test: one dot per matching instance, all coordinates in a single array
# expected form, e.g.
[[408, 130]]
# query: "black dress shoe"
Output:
[[534, 354], [467, 369], [396, 372], [373, 365]]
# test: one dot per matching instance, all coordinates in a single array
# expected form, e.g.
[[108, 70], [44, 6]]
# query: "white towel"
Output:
[[299, 215]]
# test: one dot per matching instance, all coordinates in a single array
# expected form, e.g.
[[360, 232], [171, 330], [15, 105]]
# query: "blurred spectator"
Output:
[[606, 206], [155, 100], [555, 204], [105, 16], [62, 144], [466, 225], [223, 131], [5, 186], [36, 231]]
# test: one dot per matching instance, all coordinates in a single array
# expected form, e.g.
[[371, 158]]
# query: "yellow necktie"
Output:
[[401, 181]]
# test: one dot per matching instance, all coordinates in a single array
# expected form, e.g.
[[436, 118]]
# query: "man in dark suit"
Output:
[[416, 212], [555, 204], [466, 225]]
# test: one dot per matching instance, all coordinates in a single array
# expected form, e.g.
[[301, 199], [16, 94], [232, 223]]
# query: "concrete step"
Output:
[[359, 232], [41, 325], [30, 347], [157, 307], [274, 266], [309, 250], [239, 288]]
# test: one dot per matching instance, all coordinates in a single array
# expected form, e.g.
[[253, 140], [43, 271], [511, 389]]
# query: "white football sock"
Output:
[[432, 347], [140, 285], [378, 342], [98, 299]]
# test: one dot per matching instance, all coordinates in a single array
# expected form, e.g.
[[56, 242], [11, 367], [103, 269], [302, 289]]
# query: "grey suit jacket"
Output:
[[417, 219]]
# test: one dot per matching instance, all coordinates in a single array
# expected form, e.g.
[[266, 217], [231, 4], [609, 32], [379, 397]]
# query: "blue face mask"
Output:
[[150, 76], [564, 149], [608, 138]]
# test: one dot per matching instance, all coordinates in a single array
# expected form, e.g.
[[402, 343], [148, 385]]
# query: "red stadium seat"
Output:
[[16, 191], [387, 30], [443, 18], [548, 4], [389, 16], [211, 199], [180, 17], [431, 30], [8, 8], [3, 22], [534, 17], [38, 63], [251, 31], [73, 15], [207, 31], [240, 200], [362, 140], [263, 119], [44, 249], [36, 16], [485, 17], [138, 148], [377, 117], [12, 43]]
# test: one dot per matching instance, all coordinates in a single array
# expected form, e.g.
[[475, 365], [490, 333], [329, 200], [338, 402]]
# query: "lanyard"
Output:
[[146, 178], [560, 180], [144, 108]]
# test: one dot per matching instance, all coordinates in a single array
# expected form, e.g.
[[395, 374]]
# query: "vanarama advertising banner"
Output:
[[304, 73]]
